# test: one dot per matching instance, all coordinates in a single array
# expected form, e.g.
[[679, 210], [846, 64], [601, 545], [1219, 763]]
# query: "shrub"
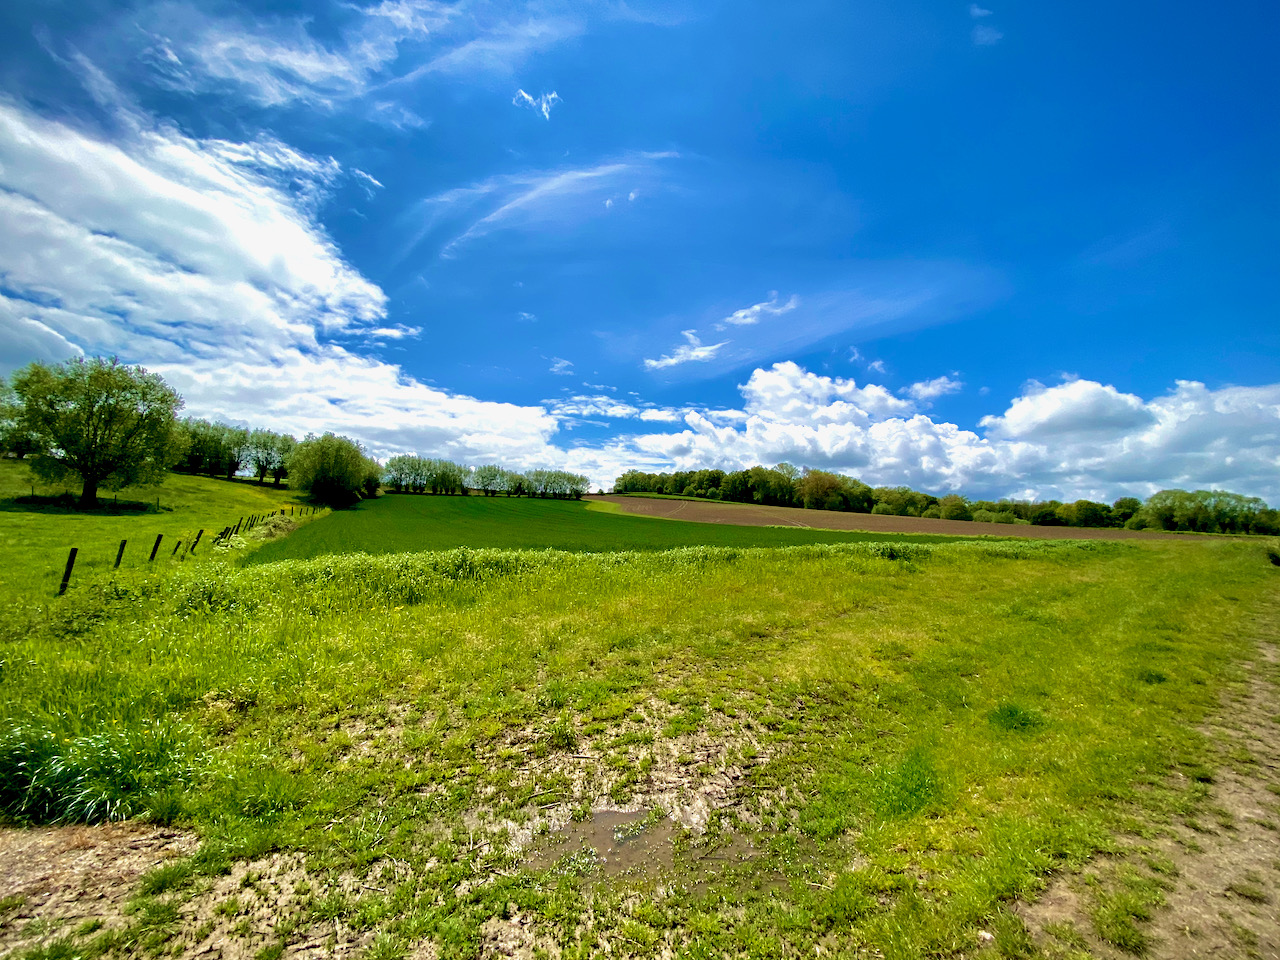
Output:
[[333, 469]]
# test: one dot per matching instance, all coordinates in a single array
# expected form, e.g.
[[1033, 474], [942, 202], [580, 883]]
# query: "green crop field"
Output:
[[858, 749], [403, 523]]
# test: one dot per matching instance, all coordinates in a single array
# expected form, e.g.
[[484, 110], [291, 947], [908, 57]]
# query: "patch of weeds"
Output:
[[1016, 718], [1248, 889], [1123, 904], [171, 876], [1066, 934], [1151, 677], [575, 865], [11, 902], [272, 951], [1012, 939], [385, 946], [909, 787], [561, 736]]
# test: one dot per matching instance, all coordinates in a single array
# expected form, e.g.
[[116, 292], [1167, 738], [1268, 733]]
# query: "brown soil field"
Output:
[[754, 515]]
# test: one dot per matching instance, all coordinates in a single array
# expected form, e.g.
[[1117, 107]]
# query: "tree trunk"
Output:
[[89, 495]]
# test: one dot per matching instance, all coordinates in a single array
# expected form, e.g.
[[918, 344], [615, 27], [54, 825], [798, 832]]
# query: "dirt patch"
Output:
[[1218, 874], [754, 515], [56, 880]]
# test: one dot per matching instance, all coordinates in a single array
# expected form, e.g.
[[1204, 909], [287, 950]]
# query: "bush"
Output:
[[108, 775], [334, 470]]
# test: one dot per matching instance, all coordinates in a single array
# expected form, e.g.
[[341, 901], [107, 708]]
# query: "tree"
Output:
[[333, 469], [100, 421]]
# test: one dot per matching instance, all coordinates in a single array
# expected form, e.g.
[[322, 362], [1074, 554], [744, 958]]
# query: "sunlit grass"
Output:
[[925, 731]]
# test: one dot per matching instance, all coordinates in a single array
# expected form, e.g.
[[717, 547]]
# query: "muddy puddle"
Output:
[[617, 843]]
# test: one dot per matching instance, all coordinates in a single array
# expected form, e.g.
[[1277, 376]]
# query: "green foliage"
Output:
[[101, 422], [1206, 511], [108, 774], [333, 470]]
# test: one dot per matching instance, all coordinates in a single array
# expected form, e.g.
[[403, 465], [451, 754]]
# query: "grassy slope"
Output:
[[34, 541], [920, 740], [400, 523]]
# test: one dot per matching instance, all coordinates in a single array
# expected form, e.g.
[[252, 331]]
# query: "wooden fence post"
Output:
[[159, 537], [175, 548], [120, 554], [66, 574], [196, 543]]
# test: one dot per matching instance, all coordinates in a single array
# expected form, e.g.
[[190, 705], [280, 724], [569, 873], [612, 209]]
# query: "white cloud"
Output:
[[561, 367], [927, 390], [752, 314], [1080, 439], [984, 36], [877, 366], [978, 12], [787, 393], [632, 196], [610, 408], [1079, 408], [203, 260], [693, 350], [525, 317], [541, 104], [608, 203], [536, 200]]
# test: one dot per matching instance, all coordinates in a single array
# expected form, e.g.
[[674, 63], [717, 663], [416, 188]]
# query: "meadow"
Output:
[[850, 748], [400, 523], [36, 538]]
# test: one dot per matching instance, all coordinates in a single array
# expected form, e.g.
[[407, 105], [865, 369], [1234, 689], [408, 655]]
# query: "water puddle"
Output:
[[615, 843]]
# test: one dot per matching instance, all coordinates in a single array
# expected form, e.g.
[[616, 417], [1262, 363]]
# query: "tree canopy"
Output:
[[97, 420]]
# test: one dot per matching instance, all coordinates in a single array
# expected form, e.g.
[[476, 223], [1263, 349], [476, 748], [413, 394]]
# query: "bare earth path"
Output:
[[1220, 870], [754, 515]]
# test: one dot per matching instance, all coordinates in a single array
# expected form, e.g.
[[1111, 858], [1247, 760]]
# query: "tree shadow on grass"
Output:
[[69, 503]]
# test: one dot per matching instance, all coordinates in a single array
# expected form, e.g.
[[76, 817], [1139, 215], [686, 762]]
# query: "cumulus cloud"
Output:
[[561, 367], [787, 393], [204, 260], [927, 390], [541, 104], [692, 350], [583, 406], [752, 314], [1079, 408], [1078, 439]]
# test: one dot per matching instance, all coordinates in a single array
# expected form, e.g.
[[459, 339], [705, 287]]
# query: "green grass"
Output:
[[398, 523], [921, 732], [35, 540]]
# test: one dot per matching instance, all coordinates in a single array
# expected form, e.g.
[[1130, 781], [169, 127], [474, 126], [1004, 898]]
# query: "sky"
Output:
[[1015, 249]]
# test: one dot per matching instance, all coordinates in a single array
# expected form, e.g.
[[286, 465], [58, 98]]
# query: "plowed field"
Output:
[[753, 515]]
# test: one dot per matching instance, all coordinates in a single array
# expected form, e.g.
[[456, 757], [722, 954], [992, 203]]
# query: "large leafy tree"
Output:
[[100, 421]]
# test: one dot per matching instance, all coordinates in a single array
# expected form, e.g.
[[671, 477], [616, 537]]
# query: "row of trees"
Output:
[[219, 450], [1207, 511], [408, 473]]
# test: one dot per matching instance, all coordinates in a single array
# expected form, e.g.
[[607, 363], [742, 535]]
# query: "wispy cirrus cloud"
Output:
[[693, 350], [751, 315], [532, 200], [541, 104]]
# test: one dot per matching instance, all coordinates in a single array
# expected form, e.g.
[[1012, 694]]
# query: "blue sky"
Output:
[[1014, 249]]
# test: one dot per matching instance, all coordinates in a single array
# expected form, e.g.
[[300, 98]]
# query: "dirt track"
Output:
[[752, 515]]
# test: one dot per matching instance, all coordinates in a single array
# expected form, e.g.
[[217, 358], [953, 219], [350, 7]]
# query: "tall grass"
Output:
[[924, 729]]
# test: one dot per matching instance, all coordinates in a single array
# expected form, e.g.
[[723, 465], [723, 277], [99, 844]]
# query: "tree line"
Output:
[[108, 425], [409, 473], [1204, 511]]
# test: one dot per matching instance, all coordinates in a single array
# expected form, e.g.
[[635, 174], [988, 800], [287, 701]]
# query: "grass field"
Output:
[[855, 749], [403, 523], [35, 540]]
